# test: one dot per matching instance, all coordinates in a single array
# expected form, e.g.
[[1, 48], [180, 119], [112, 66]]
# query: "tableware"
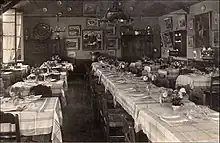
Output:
[[33, 97], [173, 119], [214, 116]]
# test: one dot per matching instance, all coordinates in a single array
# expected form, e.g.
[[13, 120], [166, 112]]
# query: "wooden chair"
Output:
[[213, 93], [11, 135], [128, 129]]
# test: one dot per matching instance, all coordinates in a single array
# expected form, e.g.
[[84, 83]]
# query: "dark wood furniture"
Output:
[[11, 135]]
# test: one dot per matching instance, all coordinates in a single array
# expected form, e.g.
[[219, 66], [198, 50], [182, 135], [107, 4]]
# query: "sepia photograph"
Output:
[[134, 71]]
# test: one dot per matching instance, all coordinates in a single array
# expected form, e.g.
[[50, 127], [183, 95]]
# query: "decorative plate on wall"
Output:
[[42, 31]]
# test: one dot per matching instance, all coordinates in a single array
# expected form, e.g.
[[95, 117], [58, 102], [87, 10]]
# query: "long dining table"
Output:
[[190, 123], [36, 117]]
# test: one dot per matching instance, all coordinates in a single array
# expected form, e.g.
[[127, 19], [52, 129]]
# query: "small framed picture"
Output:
[[74, 30], [90, 9], [112, 53], [216, 18], [190, 42], [112, 43], [92, 22], [168, 23], [110, 29], [191, 25], [215, 38], [72, 43], [181, 22], [71, 53]]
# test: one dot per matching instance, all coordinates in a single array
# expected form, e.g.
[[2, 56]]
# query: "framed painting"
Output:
[[112, 43], [90, 9], [71, 53], [110, 29], [168, 23], [74, 30], [190, 25], [202, 28], [92, 22], [181, 22], [72, 43], [167, 42], [112, 53], [190, 42], [92, 39], [215, 38]]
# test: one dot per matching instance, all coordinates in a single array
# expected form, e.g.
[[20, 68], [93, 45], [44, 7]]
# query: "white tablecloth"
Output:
[[146, 112], [40, 117]]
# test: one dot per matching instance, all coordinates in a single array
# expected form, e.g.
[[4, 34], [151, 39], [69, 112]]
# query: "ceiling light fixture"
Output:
[[116, 14]]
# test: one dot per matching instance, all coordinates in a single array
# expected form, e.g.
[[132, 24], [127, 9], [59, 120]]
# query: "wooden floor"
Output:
[[78, 116]]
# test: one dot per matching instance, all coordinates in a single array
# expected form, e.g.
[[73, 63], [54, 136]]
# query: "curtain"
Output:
[[9, 34]]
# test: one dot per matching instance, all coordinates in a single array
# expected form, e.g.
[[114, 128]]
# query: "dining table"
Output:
[[57, 88], [37, 116], [159, 121]]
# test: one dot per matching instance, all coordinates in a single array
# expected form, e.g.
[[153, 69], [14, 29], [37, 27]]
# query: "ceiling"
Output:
[[133, 8]]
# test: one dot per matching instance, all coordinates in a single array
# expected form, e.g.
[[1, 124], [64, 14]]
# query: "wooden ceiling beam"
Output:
[[8, 4]]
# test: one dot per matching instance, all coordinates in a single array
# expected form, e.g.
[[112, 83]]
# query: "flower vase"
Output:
[[176, 107]]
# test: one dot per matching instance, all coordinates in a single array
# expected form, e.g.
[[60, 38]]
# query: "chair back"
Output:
[[128, 130], [8, 118], [215, 84], [214, 91]]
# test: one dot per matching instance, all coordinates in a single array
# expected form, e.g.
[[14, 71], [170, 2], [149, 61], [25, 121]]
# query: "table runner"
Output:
[[146, 119], [41, 117]]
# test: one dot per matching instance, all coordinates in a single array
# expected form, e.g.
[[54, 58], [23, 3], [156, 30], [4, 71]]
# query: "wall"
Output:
[[1, 40], [194, 10], [139, 23]]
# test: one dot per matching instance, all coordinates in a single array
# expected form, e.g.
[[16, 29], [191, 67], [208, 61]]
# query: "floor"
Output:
[[78, 115]]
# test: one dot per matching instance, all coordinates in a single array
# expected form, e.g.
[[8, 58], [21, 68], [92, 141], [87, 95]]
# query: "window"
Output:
[[13, 41]]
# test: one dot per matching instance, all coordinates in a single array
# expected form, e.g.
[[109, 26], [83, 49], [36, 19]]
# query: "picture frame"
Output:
[[191, 24], [71, 53], [181, 22], [190, 41], [74, 30], [216, 18], [72, 43], [111, 53], [202, 26], [92, 39], [112, 43], [167, 40], [90, 9], [168, 23], [215, 38], [92, 22], [110, 29]]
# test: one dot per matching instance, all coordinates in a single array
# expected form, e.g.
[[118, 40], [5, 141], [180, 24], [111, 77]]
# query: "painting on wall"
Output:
[[190, 24], [92, 22], [215, 38], [74, 30], [112, 53], [92, 39], [216, 18], [168, 23], [72, 43], [181, 22], [202, 27], [110, 29], [167, 40], [71, 53], [190, 42], [90, 9], [112, 43]]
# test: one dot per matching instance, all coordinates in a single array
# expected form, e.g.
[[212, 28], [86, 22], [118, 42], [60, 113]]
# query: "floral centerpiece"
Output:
[[207, 53], [173, 96]]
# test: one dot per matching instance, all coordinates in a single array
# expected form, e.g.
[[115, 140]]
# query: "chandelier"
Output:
[[116, 14], [58, 29]]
